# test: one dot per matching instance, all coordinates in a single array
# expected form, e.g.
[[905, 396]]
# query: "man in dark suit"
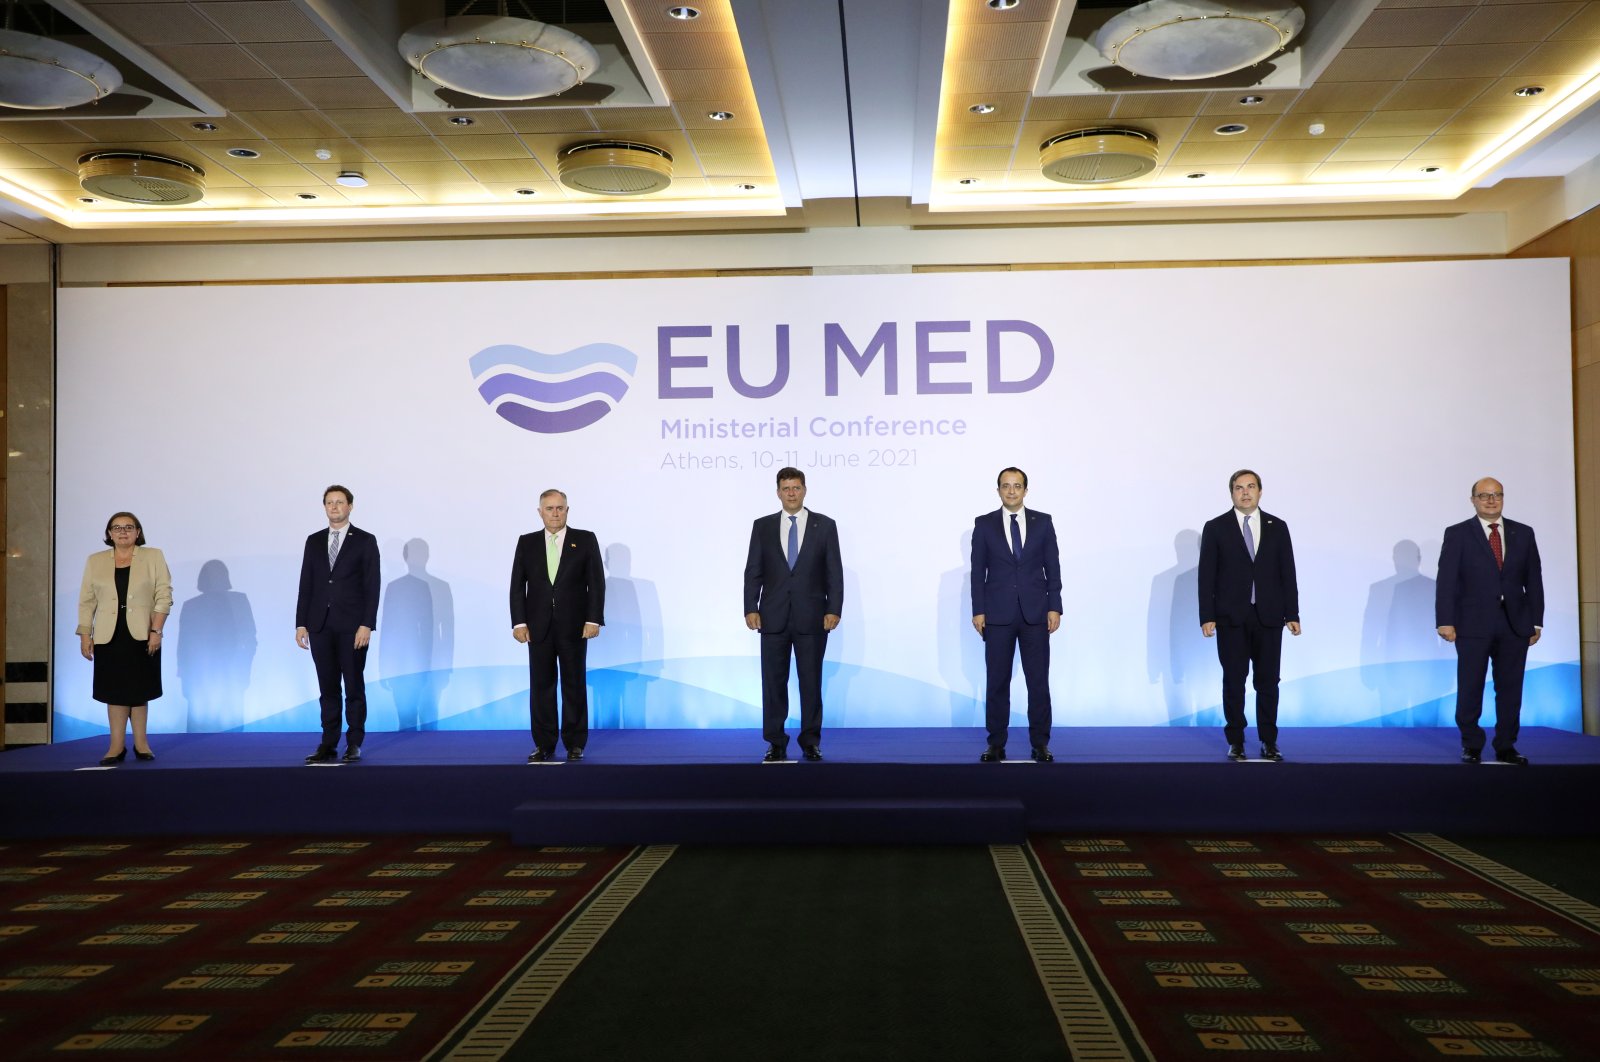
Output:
[[1016, 601], [335, 615], [558, 602], [793, 591], [1489, 601], [1248, 594]]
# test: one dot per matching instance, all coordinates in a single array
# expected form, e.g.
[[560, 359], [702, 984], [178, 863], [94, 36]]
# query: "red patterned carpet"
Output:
[[1374, 947], [262, 948]]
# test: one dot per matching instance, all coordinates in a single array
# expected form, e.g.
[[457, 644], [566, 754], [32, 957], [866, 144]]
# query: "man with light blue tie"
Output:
[[793, 593], [1016, 604], [1248, 595]]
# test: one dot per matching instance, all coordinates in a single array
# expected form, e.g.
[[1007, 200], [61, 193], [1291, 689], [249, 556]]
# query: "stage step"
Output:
[[804, 820]]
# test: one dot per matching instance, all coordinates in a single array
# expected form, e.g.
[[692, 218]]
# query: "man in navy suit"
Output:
[[793, 593], [1248, 594], [335, 615], [1489, 601], [558, 602], [1016, 602]]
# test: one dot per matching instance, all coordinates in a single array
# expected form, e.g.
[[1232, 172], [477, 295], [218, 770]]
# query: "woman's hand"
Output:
[[154, 642], [86, 646]]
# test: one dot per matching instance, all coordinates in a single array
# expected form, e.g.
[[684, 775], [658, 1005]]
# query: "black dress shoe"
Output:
[[352, 754], [540, 756], [112, 761], [775, 754], [1042, 754], [145, 756], [993, 754], [1236, 753], [813, 753], [1471, 755], [574, 755], [324, 754], [1511, 755], [1270, 752]]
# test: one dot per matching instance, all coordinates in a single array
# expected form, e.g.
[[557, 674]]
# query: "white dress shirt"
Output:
[[1022, 523], [1254, 520]]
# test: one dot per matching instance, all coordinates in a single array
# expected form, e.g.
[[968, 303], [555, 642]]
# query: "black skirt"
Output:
[[125, 671]]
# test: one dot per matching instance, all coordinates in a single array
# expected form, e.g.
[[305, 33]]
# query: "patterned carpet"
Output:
[[258, 948], [1377, 947]]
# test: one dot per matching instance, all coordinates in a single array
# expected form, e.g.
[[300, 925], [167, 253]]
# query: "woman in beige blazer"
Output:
[[122, 606]]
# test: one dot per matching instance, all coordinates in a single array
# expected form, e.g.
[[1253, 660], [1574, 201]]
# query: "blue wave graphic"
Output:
[[519, 383]]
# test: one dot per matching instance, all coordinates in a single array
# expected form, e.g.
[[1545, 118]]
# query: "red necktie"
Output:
[[1494, 544]]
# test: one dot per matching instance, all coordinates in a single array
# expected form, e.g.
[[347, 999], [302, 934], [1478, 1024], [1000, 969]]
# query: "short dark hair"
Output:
[[1012, 468], [349, 499], [1243, 472], [791, 473], [138, 539]]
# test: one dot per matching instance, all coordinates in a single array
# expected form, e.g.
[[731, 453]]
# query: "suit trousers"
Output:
[[334, 652], [1250, 648], [1000, 644], [807, 650], [1509, 652], [569, 656]]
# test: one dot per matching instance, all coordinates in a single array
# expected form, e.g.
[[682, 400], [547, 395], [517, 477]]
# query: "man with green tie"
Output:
[[558, 596]]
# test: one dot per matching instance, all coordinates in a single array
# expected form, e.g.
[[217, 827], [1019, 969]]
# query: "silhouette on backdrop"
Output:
[[632, 645], [1397, 640], [1176, 655], [961, 666], [418, 646], [216, 648]]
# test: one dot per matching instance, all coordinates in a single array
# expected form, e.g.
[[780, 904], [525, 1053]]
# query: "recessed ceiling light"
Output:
[[1004, 5], [244, 153], [720, 116], [350, 179], [323, 154], [1430, 169], [968, 181], [1316, 128], [1194, 176], [526, 191], [204, 127], [1529, 90], [1251, 101], [745, 187], [1231, 129], [982, 108], [683, 14], [460, 119], [87, 199], [306, 195]]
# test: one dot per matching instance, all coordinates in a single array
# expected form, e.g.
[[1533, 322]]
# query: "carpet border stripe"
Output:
[[497, 1027], [1532, 889], [1092, 1032]]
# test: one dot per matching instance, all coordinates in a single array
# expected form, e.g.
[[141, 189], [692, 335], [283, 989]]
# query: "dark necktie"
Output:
[[1016, 538], [1495, 546], [794, 541]]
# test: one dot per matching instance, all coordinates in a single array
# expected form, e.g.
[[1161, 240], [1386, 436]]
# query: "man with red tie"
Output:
[[1016, 605], [1490, 603]]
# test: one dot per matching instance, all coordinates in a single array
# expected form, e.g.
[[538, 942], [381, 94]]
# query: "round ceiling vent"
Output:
[[1098, 156], [499, 58], [1185, 40], [615, 167], [139, 177]]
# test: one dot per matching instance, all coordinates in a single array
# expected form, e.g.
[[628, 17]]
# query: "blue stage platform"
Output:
[[876, 786]]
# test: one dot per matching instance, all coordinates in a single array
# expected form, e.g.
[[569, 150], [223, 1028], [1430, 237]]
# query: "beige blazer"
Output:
[[149, 590]]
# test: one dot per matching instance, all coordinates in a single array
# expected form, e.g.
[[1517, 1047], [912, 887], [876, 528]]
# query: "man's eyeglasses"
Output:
[[1486, 496]]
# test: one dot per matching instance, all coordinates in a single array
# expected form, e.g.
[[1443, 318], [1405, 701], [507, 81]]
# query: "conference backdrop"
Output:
[[1368, 397]]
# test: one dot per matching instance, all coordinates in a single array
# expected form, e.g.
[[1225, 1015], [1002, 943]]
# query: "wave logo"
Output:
[[553, 393]]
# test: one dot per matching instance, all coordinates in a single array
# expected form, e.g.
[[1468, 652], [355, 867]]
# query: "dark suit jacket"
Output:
[[1470, 586], [1226, 573], [796, 601], [345, 598], [1004, 587], [578, 595]]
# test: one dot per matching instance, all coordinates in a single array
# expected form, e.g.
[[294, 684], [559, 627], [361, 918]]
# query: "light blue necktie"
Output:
[[1016, 538], [794, 541], [1250, 544], [333, 548]]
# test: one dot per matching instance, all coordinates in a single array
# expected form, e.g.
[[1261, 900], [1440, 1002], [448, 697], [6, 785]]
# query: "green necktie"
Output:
[[552, 556]]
